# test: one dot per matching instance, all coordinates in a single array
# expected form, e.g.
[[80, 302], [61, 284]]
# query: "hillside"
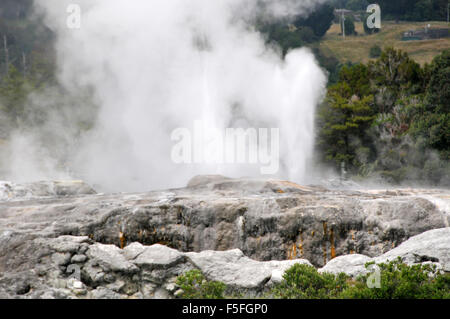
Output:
[[356, 48]]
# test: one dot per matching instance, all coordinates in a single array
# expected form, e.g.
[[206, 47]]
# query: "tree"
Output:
[[421, 11], [414, 10], [303, 30], [14, 90], [396, 9], [375, 51], [357, 5], [349, 24], [15, 9], [345, 116], [432, 122], [285, 37], [438, 91], [392, 74], [389, 119], [319, 20]]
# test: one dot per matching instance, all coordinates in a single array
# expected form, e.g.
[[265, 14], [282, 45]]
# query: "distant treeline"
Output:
[[407, 10], [389, 119], [15, 9]]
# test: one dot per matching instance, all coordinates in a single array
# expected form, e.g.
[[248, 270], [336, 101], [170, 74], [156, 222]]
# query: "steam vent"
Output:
[[134, 245]]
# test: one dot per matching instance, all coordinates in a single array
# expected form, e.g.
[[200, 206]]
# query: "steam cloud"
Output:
[[158, 65]]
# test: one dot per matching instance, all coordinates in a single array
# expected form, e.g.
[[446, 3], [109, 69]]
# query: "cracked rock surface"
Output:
[[45, 268], [429, 247], [61, 240]]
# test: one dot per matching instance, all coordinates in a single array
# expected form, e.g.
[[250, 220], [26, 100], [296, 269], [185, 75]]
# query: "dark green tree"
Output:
[[375, 51], [356, 5], [14, 90], [432, 121], [319, 20], [349, 24], [393, 74], [345, 116]]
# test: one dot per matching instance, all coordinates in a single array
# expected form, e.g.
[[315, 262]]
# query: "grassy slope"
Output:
[[356, 48]]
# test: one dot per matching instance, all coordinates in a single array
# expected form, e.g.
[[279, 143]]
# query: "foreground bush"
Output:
[[305, 282], [396, 280], [195, 286]]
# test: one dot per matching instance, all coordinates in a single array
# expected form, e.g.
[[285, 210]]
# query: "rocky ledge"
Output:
[[61, 240]]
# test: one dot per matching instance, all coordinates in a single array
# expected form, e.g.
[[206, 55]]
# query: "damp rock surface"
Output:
[[109, 272], [131, 245], [12, 191], [140, 271], [265, 219]]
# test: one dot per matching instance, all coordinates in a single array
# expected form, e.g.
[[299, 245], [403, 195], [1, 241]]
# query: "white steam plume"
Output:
[[162, 64]]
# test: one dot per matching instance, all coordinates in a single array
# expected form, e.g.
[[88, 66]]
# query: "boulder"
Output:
[[137, 271], [236, 270], [110, 258], [432, 246], [352, 265]]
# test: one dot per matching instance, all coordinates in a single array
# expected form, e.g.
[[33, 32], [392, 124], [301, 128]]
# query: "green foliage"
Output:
[[438, 91], [348, 111], [389, 119], [305, 282], [375, 51], [349, 24], [397, 280], [195, 286], [14, 89], [15, 9], [286, 37], [400, 281], [432, 118], [29, 65], [301, 31], [329, 62], [414, 10], [319, 20], [409, 10], [394, 72], [356, 5]]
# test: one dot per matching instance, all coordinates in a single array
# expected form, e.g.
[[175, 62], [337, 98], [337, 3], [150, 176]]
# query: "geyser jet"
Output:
[[160, 65]]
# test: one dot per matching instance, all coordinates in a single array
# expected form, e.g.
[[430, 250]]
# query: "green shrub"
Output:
[[305, 282], [375, 52], [195, 286], [400, 281], [349, 24], [397, 280]]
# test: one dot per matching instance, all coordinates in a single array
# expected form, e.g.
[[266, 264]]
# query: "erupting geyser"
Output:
[[156, 66]]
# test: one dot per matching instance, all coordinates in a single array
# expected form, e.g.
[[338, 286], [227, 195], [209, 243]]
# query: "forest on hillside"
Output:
[[388, 119]]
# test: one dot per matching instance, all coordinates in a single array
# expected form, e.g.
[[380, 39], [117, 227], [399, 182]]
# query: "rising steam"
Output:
[[158, 65]]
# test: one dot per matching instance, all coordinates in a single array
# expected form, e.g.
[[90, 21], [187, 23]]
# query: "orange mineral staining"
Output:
[[300, 246], [352, 232], [292, 252], [122, 240], [333, 249], [324, 242]]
